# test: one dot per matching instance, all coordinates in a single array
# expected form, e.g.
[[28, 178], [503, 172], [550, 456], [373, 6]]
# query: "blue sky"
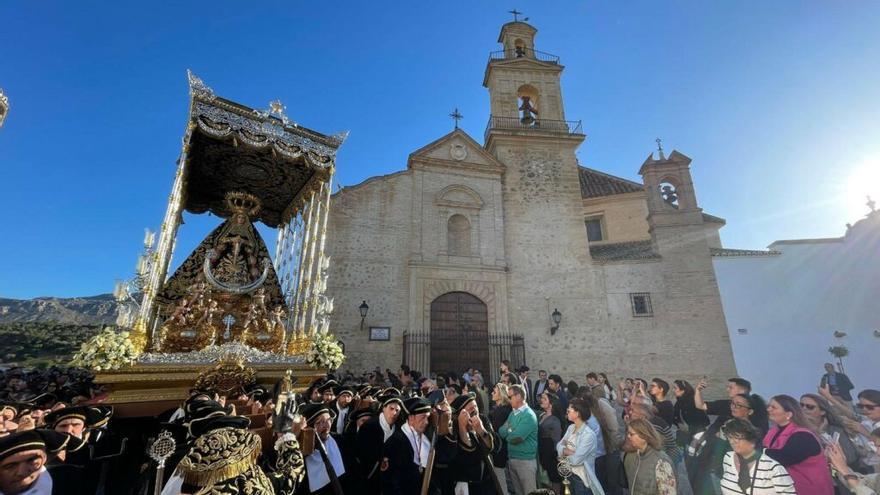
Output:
[[778, 104]]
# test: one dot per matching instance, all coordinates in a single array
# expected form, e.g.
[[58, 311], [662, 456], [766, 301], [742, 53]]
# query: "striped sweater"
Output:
[[770, 478]]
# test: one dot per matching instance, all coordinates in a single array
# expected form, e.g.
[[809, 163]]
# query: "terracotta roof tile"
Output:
[[596, 184], [623, 251], [725, 252]]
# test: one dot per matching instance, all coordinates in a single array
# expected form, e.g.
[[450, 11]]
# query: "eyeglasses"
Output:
[[809, 407], [866, 407]]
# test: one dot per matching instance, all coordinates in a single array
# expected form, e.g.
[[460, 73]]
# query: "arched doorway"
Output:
[[459, 333]]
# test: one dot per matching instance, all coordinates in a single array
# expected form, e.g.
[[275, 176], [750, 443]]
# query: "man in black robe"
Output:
[[407, 451], [475, 440], [371, 439], [325, 469]]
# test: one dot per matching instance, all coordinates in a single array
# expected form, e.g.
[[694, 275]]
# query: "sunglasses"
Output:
[[809, 407], [866, 407]]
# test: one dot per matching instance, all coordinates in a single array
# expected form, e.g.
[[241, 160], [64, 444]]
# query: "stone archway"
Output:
[[459, 333]]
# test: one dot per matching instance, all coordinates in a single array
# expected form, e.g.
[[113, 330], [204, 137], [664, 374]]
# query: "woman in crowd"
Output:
[[856, 482], [705, 461], [686, 416], [498, 416], [829, 426], [549, 434], [648, 470], [747, 471], [860, 425], [609, 390], [578, 448], [792, 442]]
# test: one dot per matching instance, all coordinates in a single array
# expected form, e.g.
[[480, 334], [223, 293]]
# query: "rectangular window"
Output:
[[594, 229], [641, 304]]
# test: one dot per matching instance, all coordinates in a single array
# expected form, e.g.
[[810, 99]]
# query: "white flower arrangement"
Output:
[[324, 352], [108, 350]]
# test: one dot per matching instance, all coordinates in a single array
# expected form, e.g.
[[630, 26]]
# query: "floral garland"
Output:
[[108, 350], [324, 352]]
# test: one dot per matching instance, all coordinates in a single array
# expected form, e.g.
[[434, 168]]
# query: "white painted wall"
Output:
[[791, 305]]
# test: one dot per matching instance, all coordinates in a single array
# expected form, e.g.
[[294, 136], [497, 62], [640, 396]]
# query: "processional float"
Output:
[[231, 312]]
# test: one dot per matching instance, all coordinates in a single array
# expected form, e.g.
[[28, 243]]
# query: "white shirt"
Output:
[[340, 420], [521, 408], [420, 445], [387, 429], [769, 477], [317, 471]]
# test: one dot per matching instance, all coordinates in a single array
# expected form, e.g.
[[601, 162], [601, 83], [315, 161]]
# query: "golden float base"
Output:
[[149, 389]]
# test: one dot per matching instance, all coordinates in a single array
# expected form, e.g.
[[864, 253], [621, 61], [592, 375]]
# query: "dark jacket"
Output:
[[369, 452], [842, 386], [497, 416], [402, 476]]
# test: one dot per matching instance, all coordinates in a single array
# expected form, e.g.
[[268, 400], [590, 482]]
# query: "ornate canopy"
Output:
[[235, 148], [243, 165]]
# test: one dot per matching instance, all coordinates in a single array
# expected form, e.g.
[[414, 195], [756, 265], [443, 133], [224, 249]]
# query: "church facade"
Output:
[[510, 249]]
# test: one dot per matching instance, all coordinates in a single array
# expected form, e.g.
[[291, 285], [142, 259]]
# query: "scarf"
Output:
[[744, 479], [387, 429]]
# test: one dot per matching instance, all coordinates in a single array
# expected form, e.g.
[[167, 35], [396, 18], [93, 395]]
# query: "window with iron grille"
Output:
[[641, 304]]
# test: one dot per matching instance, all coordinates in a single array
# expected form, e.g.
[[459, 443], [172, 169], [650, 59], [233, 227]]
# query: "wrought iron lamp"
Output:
[[363, 308], [556, 317]]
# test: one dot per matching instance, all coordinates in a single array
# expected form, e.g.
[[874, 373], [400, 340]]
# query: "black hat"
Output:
[[17, 408], [259, 393], [361, 413], [312, 411], [46, 440], [203, 412], [388, 398], [91, 416], [328, 385], [364, 389], [416, 405], [343, 389], [461, 401], [198, 428]]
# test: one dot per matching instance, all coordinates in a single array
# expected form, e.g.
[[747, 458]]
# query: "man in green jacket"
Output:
[[520, 431]]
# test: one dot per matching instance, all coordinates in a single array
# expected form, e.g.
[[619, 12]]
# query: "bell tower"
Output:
[[520, 76], [548, 260]]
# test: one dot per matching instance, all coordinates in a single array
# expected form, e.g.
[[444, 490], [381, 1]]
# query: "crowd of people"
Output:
[[398, 432]]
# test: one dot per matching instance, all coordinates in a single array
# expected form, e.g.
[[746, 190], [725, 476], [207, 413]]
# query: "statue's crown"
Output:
[[243, 203]]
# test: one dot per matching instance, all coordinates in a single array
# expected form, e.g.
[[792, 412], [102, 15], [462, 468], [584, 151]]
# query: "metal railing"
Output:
[[542, 125], [417, 352], [524, 53]]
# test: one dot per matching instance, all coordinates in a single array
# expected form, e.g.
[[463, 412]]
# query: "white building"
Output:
[[783, 307]]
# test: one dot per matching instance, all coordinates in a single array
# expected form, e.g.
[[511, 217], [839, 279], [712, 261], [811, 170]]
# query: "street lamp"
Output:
[[556, 317], [363, 308]]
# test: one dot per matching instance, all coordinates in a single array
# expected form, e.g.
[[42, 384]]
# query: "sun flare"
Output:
[[862, 182]]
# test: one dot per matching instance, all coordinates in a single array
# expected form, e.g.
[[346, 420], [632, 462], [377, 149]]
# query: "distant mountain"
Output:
[[94, 310]]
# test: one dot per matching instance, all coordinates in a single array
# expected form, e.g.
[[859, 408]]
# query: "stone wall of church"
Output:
[[624, 216], [548, 259], [686, 335], [369, 241]]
